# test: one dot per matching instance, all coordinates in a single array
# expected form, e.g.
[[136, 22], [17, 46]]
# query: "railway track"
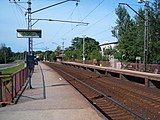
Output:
[[117, 99]]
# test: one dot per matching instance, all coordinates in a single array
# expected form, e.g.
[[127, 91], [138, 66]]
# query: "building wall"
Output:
[[107, 46]]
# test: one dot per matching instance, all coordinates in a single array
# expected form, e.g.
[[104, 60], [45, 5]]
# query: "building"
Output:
[[107, 46]]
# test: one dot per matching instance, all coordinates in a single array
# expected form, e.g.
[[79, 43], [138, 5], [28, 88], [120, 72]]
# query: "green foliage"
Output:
[[19, 56], [58, 51], [5, 54], [154, 41], [75, 51], [40, 54], [95, 55], [14, 69], [126, 34], [110, 51], [49, 55], [130, 34]]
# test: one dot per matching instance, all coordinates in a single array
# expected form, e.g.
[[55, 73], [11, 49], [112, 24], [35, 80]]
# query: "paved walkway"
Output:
[[63, 102]]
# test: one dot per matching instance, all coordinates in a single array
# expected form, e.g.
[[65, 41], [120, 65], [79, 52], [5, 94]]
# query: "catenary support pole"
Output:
[[30, 40]]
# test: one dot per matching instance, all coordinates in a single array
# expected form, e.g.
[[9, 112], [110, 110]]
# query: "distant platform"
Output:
[[146, 78]]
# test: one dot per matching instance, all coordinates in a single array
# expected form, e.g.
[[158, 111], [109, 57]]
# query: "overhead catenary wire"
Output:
[[13, 10], [91, 25], [101, 32], [85, 17], [22, 16], [20, 6], [92, 10], [20, 9], [58, 31]]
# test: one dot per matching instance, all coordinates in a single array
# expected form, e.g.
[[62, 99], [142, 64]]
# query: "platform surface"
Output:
[[62, 101]]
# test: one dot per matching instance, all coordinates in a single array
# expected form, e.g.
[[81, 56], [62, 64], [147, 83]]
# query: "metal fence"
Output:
[[10, 85]]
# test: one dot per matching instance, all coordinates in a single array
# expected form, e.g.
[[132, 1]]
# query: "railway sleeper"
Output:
[[113, 111], [120, 116], [97, 97], [83, 78], [124, 117]]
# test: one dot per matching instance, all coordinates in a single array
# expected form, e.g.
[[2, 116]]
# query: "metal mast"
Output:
[[30, 40], [146, 29], [146, 34]]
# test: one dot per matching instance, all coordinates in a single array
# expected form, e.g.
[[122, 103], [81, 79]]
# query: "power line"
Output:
[[15, 15], [91, 25], [96, 34], [20, 6], [63, 23], [84, 17], [19, 9], [92, 10]]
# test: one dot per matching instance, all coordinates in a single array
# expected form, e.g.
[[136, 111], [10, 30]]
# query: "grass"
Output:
[[14, 69]]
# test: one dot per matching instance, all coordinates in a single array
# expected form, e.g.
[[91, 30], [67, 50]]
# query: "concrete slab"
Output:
[[62, 101]]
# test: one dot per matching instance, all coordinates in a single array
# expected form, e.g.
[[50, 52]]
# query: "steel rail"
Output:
[[137, 94], [106, 96]]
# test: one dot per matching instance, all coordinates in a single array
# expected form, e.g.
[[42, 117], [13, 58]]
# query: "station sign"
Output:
[[29, 33]]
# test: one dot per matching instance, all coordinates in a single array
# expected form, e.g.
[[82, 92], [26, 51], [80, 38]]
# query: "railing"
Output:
[[10, 85]]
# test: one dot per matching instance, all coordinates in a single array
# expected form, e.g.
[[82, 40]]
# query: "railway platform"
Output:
[[62, 101]]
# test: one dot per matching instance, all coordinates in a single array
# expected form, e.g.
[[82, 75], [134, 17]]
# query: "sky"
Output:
[[100, 14]]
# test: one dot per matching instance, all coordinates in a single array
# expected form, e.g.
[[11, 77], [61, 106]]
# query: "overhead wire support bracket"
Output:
[[54, 5], [132, 9], [66, 21]]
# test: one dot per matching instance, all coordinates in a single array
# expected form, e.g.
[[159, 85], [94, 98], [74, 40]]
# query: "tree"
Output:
[[154, 37], [75, 51], [58, 51], [5, 54], [109, 52], [130, 34], [126, 34]]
